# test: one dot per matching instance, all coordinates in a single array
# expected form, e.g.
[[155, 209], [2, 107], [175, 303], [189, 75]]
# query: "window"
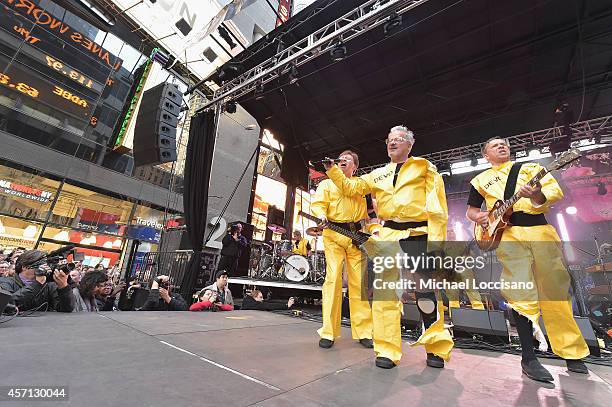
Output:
[[25, 195]]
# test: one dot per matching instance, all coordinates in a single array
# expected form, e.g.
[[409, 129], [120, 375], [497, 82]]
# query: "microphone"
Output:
[[326, 159]]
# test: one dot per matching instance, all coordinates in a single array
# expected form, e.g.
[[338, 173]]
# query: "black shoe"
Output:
[[576, 366], [384, 363], [535, 371], [325, 343], [366, 343], [434, 361]]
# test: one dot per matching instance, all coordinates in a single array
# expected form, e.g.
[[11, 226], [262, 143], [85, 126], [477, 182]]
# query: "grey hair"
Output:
[[401, 128]]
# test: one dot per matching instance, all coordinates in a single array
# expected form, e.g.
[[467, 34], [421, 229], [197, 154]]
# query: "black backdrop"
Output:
[[198, 164]]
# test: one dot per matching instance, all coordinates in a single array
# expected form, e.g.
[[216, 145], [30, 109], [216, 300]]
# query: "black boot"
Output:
[[535, 371], [366, 343], [385, 363], [325, 343], [576, 366], [434, 361]]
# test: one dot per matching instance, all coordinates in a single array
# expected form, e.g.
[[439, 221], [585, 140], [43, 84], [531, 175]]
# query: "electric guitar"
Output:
[[358, 238], [488, 238]]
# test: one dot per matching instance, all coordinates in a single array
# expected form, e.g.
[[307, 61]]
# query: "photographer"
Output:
[[224, 295], [207, 300], [161, 298], [30, 288], [92, 284], [106, 300], [233, 244], [255, 301]]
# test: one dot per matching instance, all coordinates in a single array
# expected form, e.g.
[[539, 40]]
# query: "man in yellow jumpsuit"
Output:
[[300, 246], [330, 205], [411, 201], [530, 252]]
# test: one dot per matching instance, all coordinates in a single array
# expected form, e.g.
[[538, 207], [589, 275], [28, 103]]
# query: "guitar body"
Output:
[[487, 239]]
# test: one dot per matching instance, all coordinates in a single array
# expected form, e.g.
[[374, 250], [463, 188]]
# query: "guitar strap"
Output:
[[511, 182]]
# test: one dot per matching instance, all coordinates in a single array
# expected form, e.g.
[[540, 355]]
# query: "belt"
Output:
[[404, 225], [352, 226], [525, 219]]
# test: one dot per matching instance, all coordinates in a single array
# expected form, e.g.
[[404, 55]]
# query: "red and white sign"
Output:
[[284, 10], [24, 191]]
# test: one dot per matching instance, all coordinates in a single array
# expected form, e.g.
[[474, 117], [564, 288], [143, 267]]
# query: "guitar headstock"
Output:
[[564, 159]]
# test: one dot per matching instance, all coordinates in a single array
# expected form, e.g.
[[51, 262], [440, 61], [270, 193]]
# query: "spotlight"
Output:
[[391, 26], [601, 188], [259, 90], [474, 161], [230, 107], [571, 210], [293, 74], [338, 52], [444, 169]]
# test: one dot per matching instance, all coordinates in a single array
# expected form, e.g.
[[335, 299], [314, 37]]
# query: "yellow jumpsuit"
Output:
[[533, 254], [418, 195], [329, 202], [302, 248]]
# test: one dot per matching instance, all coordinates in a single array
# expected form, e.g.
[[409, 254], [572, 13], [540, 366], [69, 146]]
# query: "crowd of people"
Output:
[[35, 286]]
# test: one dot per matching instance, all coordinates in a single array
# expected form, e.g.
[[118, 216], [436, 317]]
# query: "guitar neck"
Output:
[[509, 203], [335, 228]]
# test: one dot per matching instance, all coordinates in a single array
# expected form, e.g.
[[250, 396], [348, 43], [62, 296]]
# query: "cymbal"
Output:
[[276, 228], [314, 231]]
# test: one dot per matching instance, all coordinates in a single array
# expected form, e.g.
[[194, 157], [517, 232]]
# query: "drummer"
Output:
[[300, 246]]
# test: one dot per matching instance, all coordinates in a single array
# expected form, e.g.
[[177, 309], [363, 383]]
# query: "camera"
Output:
[[55, 261], [162, 284]]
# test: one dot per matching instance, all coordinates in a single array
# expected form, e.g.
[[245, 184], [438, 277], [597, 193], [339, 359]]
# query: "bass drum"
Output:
[[296, 268]]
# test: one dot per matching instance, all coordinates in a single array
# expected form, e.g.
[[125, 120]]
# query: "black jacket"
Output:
[[155, 303], [232, 247], [29, 297], [249, 303]]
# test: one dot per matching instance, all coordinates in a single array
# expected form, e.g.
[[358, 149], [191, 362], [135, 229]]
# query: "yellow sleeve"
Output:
[[349, 186], [320, 201], [435, 206], [550, 188]]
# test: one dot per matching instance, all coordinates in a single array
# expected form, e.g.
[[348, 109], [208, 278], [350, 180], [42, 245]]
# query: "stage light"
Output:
[[293, 74], [338, 52], [569, 250], [571, 210], [534, 152], [392, 26], [474, 161], [259, 90], [230, 107], [2, 228], [444, 169], [601, 188], [459, 235], [30, 231]]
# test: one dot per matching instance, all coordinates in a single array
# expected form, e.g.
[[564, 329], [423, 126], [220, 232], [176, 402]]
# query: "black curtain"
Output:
[[198, 164]]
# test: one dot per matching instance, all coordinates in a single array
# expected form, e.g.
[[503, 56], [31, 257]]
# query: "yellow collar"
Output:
[[501, 166]]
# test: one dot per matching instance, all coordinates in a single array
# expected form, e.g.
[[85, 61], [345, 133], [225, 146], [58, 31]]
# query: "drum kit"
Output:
[[278, 262]]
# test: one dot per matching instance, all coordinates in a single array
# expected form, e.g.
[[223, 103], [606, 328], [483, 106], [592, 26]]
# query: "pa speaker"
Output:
[[587, 332], [155, 131], [122, 163], [467, 322], [411, 317]]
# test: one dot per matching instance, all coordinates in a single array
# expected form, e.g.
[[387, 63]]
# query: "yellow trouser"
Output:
[[386, 309], [338, 250], [533, 254], [473, 294]]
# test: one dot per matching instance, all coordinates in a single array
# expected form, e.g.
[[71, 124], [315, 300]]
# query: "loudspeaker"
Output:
[[155, 131], [469, 321], [122, 163], [587, 332], [412, 316], [243, 261]]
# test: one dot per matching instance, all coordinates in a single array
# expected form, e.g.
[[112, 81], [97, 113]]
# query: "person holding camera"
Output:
[[255, 301], [207, 300], [35, 284], [92, 285], [161, 298], [233, 244], [224, 295]]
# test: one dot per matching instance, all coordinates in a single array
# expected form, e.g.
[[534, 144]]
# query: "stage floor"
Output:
[[246, 358]]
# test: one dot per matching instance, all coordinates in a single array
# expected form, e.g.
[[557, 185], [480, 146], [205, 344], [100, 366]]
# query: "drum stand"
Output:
[[270, 271]]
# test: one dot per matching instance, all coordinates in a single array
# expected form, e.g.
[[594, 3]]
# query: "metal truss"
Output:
[[364, 18], [588, 129]]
